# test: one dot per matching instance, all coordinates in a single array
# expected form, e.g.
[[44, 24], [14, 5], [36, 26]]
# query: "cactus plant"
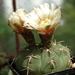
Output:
[[47, 56], [42, 60]]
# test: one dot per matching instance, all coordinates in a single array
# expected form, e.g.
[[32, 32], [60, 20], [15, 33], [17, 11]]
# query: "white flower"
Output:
[[44, 19], [16, 20]]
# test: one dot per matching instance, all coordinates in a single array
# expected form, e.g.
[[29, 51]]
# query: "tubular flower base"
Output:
[[46, 40], [29, 37]]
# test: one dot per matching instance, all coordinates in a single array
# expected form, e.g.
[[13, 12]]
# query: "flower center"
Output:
[[45, 22]]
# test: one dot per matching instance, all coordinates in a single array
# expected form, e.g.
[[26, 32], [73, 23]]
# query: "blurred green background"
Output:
[[65, 32]]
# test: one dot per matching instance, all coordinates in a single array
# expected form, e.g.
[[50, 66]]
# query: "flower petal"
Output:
[[30, 23], [45, 10], [15, 20], [34, 16], [39, 13], [21, 13], [56, 13], [52, 7]]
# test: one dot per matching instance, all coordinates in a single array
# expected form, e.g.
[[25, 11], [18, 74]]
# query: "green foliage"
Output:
[[66, 32], [4, 71], [6, 36], [71, 2]]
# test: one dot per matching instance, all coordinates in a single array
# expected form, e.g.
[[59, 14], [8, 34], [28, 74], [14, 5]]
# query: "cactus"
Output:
[[41, 60], [47, 56]]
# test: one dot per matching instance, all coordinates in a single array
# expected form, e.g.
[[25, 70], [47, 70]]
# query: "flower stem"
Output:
[[29, 37], [16, 34]]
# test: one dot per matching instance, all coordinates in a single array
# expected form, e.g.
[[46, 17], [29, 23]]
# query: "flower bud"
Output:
[[16, 20]]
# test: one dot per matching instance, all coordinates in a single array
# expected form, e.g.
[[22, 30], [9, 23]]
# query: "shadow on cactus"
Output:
[[48, 56]]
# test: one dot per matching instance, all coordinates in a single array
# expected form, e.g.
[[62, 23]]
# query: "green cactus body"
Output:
[[40, 60]]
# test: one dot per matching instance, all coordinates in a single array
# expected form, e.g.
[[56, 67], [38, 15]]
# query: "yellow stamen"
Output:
[[45, 22]]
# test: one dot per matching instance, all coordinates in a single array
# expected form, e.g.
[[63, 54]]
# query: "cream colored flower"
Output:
[[16, 20], [44, 18]]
